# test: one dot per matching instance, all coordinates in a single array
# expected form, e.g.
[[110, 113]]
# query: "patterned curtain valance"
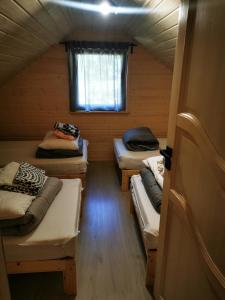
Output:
[[99, 47]]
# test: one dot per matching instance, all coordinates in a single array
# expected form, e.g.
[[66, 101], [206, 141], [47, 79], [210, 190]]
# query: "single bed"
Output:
[[130, 162], [148, 220], [74, 167], [52, 245]]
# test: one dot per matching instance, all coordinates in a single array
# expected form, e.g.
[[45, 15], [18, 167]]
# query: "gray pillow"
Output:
[[152, 188]]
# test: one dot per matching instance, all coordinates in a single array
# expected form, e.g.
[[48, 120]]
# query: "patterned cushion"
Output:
[[67, 128], [28, 180]]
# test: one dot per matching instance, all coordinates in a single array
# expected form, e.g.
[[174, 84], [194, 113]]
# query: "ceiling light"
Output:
[[105, 8]]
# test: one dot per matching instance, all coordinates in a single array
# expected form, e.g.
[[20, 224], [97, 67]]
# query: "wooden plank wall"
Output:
[[38, 96]]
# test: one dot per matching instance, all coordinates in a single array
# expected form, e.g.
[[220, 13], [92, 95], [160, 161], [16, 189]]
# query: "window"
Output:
[[97, 78], [99, 81]]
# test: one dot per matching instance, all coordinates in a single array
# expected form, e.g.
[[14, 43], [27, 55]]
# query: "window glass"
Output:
[[99, 81]]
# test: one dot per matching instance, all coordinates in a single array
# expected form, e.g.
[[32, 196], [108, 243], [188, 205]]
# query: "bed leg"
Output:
[[132, 209], [69, 277], [150, 271], [125, 181], [82, 204]]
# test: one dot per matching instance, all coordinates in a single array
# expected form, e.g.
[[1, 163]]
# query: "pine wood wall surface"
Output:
[[38, 96]]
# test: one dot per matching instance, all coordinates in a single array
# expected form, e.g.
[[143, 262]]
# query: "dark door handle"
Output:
[[167, 154]]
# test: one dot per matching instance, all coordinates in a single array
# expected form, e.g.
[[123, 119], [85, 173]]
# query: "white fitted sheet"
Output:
[[131, 159], [55, 236], [147, 216], [25, 151]]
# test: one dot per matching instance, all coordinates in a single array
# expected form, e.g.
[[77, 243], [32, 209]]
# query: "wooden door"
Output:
[[191, 256]]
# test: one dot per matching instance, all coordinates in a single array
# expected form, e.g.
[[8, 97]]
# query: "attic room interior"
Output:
[[112, 149]]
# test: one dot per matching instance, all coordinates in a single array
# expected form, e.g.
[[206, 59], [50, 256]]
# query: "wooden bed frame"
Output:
[[126, 174], [82, 176], [151, 257], [65, 265]]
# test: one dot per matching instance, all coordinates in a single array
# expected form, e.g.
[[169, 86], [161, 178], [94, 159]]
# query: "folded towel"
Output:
[[140, 139], [64, 136], [35, 212]]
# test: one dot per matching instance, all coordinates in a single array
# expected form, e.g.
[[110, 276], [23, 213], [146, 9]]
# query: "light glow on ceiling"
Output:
[[104, 8]]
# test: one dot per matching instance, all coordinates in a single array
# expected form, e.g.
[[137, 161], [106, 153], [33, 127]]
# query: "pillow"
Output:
[[152, 188], [14, 205], [155, 164], [62, 135], [52, 142], [8, 173], [160, 167]]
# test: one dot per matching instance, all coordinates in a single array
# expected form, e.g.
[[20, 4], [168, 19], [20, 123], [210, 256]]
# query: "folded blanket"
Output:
[[35, 212], [60, 153], [152, 188], [28, 180], [140, 139], [67, 128]]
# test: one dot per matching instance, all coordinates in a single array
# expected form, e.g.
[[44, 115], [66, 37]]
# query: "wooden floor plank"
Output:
[[110, 257]]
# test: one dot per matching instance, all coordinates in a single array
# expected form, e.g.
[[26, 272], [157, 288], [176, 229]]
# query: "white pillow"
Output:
[[14, 205], [155, 164], [50, 141], [8, 173]]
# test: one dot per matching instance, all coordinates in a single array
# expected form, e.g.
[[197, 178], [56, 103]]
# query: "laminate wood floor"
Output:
[[110, 256]]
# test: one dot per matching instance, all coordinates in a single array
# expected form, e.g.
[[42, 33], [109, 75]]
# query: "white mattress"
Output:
[[133, 160], [56, 234], [147, 216], [25, 151]]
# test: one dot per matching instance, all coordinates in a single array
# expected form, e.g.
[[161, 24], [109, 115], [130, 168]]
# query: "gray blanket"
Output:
[[35, 212], [140, 139]]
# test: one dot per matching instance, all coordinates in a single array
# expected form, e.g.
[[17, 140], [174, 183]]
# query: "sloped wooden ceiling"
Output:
[[157, 30], [29, 27]]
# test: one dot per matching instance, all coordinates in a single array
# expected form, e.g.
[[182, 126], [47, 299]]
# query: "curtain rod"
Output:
[[130, 44]]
